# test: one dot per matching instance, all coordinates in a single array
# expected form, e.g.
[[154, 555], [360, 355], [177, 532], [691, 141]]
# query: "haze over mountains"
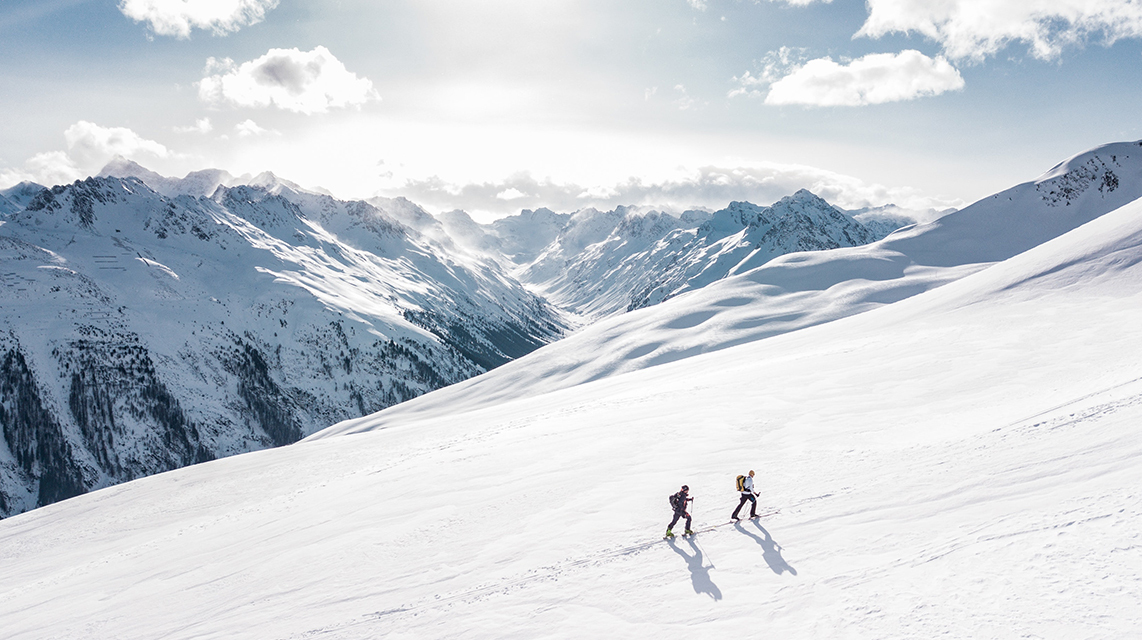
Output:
[[945, 420], [153, 322]]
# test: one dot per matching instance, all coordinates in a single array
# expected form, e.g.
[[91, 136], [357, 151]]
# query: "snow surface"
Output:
[[963, 463]]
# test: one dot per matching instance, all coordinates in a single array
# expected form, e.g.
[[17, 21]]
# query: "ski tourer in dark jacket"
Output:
[[679, 502]]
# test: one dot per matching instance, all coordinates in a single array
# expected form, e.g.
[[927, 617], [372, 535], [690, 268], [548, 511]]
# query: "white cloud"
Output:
[[92, 146], [774, 66], [700, 5], [178, 17], [89, 148], [709, 187], [511, 193], [302, 81], [249, 128], [749, 85], [49, 169], [685, 102], [975, 29], [201, 125], [873, 79]]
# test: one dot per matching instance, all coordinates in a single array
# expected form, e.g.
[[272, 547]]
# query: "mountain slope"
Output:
[[962, 463], [141, 333]]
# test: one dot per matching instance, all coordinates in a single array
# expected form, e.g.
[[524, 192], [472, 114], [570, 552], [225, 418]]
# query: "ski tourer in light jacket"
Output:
[[748, 495]]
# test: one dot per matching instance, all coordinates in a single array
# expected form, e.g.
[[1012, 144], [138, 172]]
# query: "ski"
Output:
[[717, 526], [722, 524]]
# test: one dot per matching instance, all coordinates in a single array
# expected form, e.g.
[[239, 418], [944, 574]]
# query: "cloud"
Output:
[[89, 148], [301, 81], [178, 17], [201, 125], [873, 79], [511, 193], [774, 66], [92, 146], [975, 29], [52, 168], [684, 102], [249, 128], [708, 187]]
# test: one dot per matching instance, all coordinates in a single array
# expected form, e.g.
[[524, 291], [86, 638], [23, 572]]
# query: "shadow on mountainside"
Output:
[[770, 550], [699, 572]]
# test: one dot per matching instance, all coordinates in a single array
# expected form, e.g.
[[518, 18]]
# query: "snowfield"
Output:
[[964, 463]]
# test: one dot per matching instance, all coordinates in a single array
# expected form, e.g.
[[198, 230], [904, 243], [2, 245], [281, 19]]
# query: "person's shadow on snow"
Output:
[[699, 572], [770, 550]]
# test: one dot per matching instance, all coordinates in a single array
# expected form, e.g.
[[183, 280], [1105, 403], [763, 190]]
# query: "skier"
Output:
[[745, 486], [678, 501]]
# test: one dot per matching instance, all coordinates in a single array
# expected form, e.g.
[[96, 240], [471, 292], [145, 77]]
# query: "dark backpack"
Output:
[[674, 500]]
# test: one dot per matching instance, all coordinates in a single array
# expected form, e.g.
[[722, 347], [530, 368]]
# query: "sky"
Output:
[[493, 106]]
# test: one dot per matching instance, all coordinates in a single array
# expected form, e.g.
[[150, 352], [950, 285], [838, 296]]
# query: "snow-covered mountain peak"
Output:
[[1097, 173], [268, 209], [74, 205], [997, 227], [523, 237], [200, 183], [18, 196], [1100, 154], [23, 192], [652, 224], [274, 184], [409, 214], [196, 183]]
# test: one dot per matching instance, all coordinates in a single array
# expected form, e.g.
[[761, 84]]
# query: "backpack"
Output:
[[741, 483], [674, 501]]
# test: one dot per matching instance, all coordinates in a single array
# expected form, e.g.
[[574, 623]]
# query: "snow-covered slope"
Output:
[[799, 290], [963, 463], [139, 332]]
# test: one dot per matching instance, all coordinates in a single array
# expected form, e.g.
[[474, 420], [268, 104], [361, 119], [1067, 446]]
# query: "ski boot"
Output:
[[688, 533], [669, 534]]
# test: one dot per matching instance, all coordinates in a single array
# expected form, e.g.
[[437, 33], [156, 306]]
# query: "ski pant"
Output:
[[752, 507], [677, 515]]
